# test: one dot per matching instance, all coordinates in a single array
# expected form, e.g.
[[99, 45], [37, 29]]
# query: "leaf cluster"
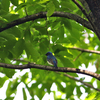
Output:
[[30, 41]]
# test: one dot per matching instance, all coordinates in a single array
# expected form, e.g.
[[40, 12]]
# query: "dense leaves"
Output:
[[29, 42]]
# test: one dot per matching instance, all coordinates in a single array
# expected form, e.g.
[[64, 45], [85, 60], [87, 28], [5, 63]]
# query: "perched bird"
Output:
[[51, 59]]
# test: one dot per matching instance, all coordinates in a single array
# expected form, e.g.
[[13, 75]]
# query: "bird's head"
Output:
[[48, 53]]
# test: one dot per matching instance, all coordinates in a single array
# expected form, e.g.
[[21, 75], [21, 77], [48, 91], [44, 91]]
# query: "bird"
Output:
[[51, 59]]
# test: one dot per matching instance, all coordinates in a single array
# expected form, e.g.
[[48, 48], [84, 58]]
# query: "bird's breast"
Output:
[[50, 61]]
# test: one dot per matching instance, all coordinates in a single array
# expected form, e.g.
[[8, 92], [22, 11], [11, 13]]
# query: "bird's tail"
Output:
[[55, 65]]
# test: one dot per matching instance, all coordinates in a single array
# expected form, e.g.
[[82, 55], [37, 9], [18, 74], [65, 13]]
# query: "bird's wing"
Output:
[[50, 61], [56, 61]]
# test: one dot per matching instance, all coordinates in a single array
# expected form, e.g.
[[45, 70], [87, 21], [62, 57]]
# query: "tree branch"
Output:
[[60, 69], [71, 77], [94, 6], [87, 15], [77, 56], [85, 50], [43, 15]]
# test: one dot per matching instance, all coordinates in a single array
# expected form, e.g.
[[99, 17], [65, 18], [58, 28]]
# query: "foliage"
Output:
[[93, 96], [31, 40]]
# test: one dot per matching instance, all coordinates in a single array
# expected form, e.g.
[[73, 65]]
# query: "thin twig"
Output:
[[85, 50], [25, 10], [77, 56], [81, 82]]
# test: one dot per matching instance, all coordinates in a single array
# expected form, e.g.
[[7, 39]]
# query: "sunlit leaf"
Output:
[[91, 96], [50, 8], [3, 79], [43, 1], [66, 62]]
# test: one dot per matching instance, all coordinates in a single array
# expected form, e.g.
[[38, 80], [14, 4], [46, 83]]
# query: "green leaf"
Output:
[[43, 1], [14, 31], [98, 83], [78, 91], [3, 12], [24, 77], [19, 47], [10, 40], [75, 33], [57, 48], [12, 87], [41, 30], [65, 53], [24, 94], [5, 5], [7, 36], [54, 38], [11, 17], [14, 2], [56, 24], [2, 40], [72, 40], [9, 98], [98, 95], [31, 51], [68, 5], [59, 33], [20, 6], [3, 54], [66, 62], [77, 26], [10, 44], [8, 91], [91, 96], [50, 8], [67, 23], [9, 72], [71, 88], [44, 44], [15, 83], [2, 81], [27, 34], [56, 3]]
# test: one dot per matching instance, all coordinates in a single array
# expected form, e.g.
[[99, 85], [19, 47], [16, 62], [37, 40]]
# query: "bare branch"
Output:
[[77, 56], [25, 10], [60, 69], [43, 15], [71, 77], [85, 50]]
